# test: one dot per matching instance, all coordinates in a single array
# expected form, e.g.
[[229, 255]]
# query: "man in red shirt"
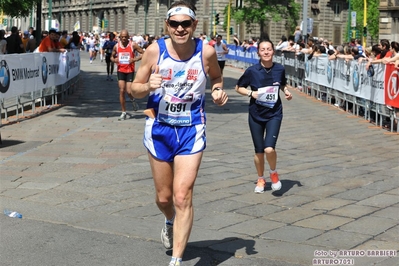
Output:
[[49, 43], [123, 54]]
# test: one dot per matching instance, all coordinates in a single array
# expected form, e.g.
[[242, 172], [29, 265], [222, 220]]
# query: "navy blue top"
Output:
[[256, 77]]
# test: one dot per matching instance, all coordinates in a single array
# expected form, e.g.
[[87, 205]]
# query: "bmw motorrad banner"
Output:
[[24, 73], [349, 77]]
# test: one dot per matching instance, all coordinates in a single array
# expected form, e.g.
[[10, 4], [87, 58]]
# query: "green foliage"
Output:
[[17, 8], [373, 16], [262, 11]]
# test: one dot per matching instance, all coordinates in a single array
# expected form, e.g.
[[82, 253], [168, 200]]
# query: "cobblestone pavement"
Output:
[[77, 170]]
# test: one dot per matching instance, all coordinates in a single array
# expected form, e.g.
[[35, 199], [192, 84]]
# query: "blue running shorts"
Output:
[[164, 141]]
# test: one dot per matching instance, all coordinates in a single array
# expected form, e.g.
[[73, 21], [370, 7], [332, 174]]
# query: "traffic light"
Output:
[[365, 31], [217, 19], [5, 21], [231, 31]]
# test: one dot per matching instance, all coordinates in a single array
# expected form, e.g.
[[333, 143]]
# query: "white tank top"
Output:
[[180, 101], [220, 52]]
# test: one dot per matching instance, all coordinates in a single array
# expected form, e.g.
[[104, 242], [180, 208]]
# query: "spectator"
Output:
[[292, 46], [64, 40], [283, 43], [385, 47], [50, 43], [236, 40], [3, 42], [359, 46], [333, 54], [25, 40], [356, 53], [74, 42], [395, 54], [297, 34], [31, 45], [31, 32], [309, 47], [212, 41], [14, 42]]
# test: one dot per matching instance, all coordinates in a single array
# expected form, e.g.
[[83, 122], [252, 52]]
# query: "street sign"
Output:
[[353, 19]]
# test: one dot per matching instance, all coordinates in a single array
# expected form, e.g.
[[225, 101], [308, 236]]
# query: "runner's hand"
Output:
[[155, 80], [219, 97]]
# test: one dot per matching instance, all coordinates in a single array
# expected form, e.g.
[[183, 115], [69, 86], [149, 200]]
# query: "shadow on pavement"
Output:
[[10, 142], [209, 254], [286, 186]]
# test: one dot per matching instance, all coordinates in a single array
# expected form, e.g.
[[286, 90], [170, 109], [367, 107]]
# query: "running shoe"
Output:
[[276, 184], [167, 236], [91, 61], [177, 263], [123, 116], [107, 78], [260, 186], [135, 105]]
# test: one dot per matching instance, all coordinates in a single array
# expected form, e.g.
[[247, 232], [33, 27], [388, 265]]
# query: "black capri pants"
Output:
[[264, 133]]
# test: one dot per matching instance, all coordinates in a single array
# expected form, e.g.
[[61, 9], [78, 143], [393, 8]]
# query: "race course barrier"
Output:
[[346, 82], [36, 78]]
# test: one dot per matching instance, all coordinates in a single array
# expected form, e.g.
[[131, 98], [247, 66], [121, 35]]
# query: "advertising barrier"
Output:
[[348, 80], [24, 73]]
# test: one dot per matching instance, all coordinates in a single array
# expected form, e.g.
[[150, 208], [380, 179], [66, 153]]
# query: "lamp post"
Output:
[[228, 22], [145, 15], [212, 20], [365, 23], [349, 21], [305, 21], [90, 19], [50, 7]]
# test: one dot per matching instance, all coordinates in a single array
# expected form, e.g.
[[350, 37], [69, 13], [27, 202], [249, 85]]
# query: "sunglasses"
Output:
[[184, 23]]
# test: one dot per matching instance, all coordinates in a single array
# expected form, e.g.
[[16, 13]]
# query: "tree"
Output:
[[17, 8], [261, 12], [373, 16]]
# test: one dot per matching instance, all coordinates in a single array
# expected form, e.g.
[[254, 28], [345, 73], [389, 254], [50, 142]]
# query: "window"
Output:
[[337, 9]]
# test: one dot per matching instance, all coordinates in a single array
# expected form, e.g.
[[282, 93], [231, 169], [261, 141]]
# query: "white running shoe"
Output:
[[260, 186], [276, 184], [167, 236], [123, 116]]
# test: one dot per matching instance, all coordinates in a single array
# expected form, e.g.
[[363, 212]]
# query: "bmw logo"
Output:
[[67, 66], [44, 70], [4, 76], [329, 72], [356, 78]]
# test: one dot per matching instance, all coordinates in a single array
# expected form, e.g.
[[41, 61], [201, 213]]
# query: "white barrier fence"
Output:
[[36, 78], [376, 97]]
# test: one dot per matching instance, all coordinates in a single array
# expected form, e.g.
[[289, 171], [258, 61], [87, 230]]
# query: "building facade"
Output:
[[389, 20], [144, 16], [330, 18]]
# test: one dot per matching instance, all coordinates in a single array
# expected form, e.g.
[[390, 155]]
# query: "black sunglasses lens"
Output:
[[173, 23], [184, 23]]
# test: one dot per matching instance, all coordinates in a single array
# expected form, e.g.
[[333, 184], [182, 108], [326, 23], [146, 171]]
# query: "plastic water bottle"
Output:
[[12, 214]]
